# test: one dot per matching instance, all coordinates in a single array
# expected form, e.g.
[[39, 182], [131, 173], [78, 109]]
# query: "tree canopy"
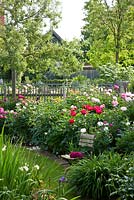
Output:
[[108, 32], [26, 38]]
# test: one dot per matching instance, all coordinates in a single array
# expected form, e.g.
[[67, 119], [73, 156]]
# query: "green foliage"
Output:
[[131, 86], [89, 177], [22, 40], [105, 39], [125, 144], [23, 174], [113, 73], [26, 174], [47, 124], [125, 182]]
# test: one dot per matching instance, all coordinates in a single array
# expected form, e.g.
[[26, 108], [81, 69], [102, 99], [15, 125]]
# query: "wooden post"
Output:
[[13, 84]]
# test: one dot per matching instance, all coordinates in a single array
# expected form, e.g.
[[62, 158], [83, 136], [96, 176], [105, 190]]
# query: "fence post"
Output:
[[64, 91], [13, 83], [5, 92]]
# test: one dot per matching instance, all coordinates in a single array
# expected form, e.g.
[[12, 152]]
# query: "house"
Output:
[[56, 38], [89, 71]]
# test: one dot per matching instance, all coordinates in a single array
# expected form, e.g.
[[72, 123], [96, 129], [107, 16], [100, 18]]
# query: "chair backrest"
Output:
[[86, 140]]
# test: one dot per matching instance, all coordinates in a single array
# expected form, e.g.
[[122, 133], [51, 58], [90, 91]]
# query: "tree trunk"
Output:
[[117, 49], [13, 84], [117, 56]]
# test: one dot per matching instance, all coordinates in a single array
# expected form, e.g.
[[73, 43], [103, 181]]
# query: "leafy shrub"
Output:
[[125, 144], [89, 178], [125, 182]]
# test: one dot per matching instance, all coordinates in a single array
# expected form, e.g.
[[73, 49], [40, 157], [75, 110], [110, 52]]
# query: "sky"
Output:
[[72, 15]]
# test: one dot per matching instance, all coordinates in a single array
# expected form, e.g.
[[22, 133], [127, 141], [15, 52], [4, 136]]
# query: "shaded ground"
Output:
[[58, 159]]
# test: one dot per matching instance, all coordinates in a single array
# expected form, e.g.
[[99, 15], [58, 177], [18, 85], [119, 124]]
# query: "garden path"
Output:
[[57, 159]]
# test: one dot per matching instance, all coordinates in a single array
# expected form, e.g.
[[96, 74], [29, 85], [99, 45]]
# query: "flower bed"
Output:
[[56, 125]]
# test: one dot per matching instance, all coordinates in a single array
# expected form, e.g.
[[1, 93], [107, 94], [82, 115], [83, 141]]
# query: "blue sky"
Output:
[[72, 15]]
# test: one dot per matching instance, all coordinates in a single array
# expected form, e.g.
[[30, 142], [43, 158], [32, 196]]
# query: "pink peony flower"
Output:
[[76, 154], [116, 87], [21, 96], [123, 95], [2, 110], [102, 106], [115, 103]]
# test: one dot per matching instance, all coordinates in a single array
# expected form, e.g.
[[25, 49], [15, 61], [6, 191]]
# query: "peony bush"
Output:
[[56, 125]]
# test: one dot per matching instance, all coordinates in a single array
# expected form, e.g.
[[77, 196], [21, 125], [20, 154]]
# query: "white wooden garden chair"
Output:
[[86, 140]]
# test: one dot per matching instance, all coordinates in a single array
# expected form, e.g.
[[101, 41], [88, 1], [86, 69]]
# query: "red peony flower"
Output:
[[73, 113], [98, 109], [83, 112], [88, 107], [71, 121]]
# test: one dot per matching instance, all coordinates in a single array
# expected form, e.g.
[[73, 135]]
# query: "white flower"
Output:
[[64, 110], [100, 123], [24, 168], [106, 129], [18, 104], [95, 100], [85, 93], [73, 107], [83, 130], [127, 123], [4, 148], [108, 93], [128, 99], [45, 133], [36, 167], [123, 108], [115, 98], [21, 169], [36, 148], [109, 90], [11, 111], [24, 107]]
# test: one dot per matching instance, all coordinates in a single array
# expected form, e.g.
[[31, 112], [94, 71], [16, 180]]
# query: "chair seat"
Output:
[[67, 156]]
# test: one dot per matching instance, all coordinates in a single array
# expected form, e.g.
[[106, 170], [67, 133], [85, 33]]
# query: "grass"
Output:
[[24, 173], [50, 170]]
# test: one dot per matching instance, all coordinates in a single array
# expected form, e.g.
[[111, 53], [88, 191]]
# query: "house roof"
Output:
[[56, 37]]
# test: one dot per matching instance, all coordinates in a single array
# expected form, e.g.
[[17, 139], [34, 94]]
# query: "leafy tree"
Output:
[[26, 48], [108, 31], [24, 22]]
